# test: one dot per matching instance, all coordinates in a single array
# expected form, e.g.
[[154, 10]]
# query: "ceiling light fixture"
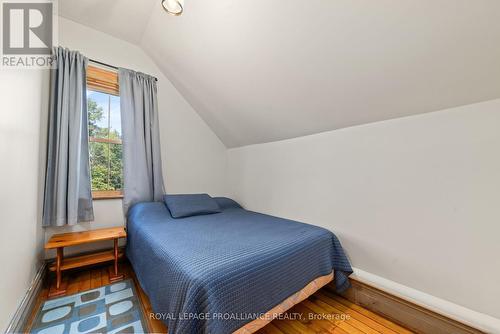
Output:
[[173, 7]]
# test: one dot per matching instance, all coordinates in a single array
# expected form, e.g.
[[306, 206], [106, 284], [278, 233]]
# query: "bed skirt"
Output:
[[287, 304]]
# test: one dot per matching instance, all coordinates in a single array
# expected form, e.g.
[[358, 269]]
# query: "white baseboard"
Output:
[[456, 312], [18, 321]]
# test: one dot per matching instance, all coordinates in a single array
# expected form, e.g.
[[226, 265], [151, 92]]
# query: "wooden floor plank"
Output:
[[317, 323], [332, 301], [270, 329], [316, 311], [73, 284], [85, 279], [317, 307], [352, 320], [286, 327], [105, 275], [305, 319], [375, 317], [95, 281]]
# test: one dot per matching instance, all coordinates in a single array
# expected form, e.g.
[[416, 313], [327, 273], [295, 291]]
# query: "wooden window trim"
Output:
[[107, 194], [104, 81], [105, 140]]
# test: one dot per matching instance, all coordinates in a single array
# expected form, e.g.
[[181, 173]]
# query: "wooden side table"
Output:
[[59, 241]]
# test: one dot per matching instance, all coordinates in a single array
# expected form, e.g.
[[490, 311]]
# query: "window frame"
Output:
[[104, 81]]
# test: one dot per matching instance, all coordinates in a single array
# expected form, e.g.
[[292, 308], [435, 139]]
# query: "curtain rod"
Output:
[[108, 65]]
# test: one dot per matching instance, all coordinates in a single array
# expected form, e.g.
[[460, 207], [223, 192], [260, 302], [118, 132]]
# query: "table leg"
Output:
[[58, 266], [113, 273], [116, 257], [60, 288]]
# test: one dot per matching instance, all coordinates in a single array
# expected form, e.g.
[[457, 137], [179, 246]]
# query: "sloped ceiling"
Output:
[[260, 70]]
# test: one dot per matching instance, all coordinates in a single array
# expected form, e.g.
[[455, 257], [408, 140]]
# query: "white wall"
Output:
[[194, 159], [415, 200], [23, 93]]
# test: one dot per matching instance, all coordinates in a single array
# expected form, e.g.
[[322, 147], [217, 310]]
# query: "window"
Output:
[[105, 135]]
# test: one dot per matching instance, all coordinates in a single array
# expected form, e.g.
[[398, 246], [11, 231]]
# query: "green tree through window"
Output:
[[105, 141]]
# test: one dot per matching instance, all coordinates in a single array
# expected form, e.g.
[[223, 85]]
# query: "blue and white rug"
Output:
[[110, 309]]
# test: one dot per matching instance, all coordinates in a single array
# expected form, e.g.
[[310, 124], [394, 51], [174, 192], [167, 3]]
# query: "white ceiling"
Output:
[[260, 70], [125, 19]]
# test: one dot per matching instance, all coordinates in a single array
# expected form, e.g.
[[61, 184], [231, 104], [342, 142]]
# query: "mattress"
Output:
[[217, 273]]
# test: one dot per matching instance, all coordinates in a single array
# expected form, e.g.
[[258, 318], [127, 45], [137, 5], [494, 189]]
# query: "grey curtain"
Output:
[[142, 171], [68, 197]]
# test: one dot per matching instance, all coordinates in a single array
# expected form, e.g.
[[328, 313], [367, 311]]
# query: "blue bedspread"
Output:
[[215, 273]]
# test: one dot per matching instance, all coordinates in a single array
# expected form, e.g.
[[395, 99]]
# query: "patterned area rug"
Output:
[[110, 309]]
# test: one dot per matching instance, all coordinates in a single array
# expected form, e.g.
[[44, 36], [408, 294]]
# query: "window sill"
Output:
[[107, 194]]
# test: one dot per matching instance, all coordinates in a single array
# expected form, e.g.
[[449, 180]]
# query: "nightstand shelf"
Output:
[[86, 260]]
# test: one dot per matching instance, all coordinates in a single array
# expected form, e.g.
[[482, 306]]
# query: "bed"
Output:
[[227, 272]]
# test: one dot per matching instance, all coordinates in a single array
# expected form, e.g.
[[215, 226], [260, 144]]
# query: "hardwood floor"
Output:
[[323, 312]]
